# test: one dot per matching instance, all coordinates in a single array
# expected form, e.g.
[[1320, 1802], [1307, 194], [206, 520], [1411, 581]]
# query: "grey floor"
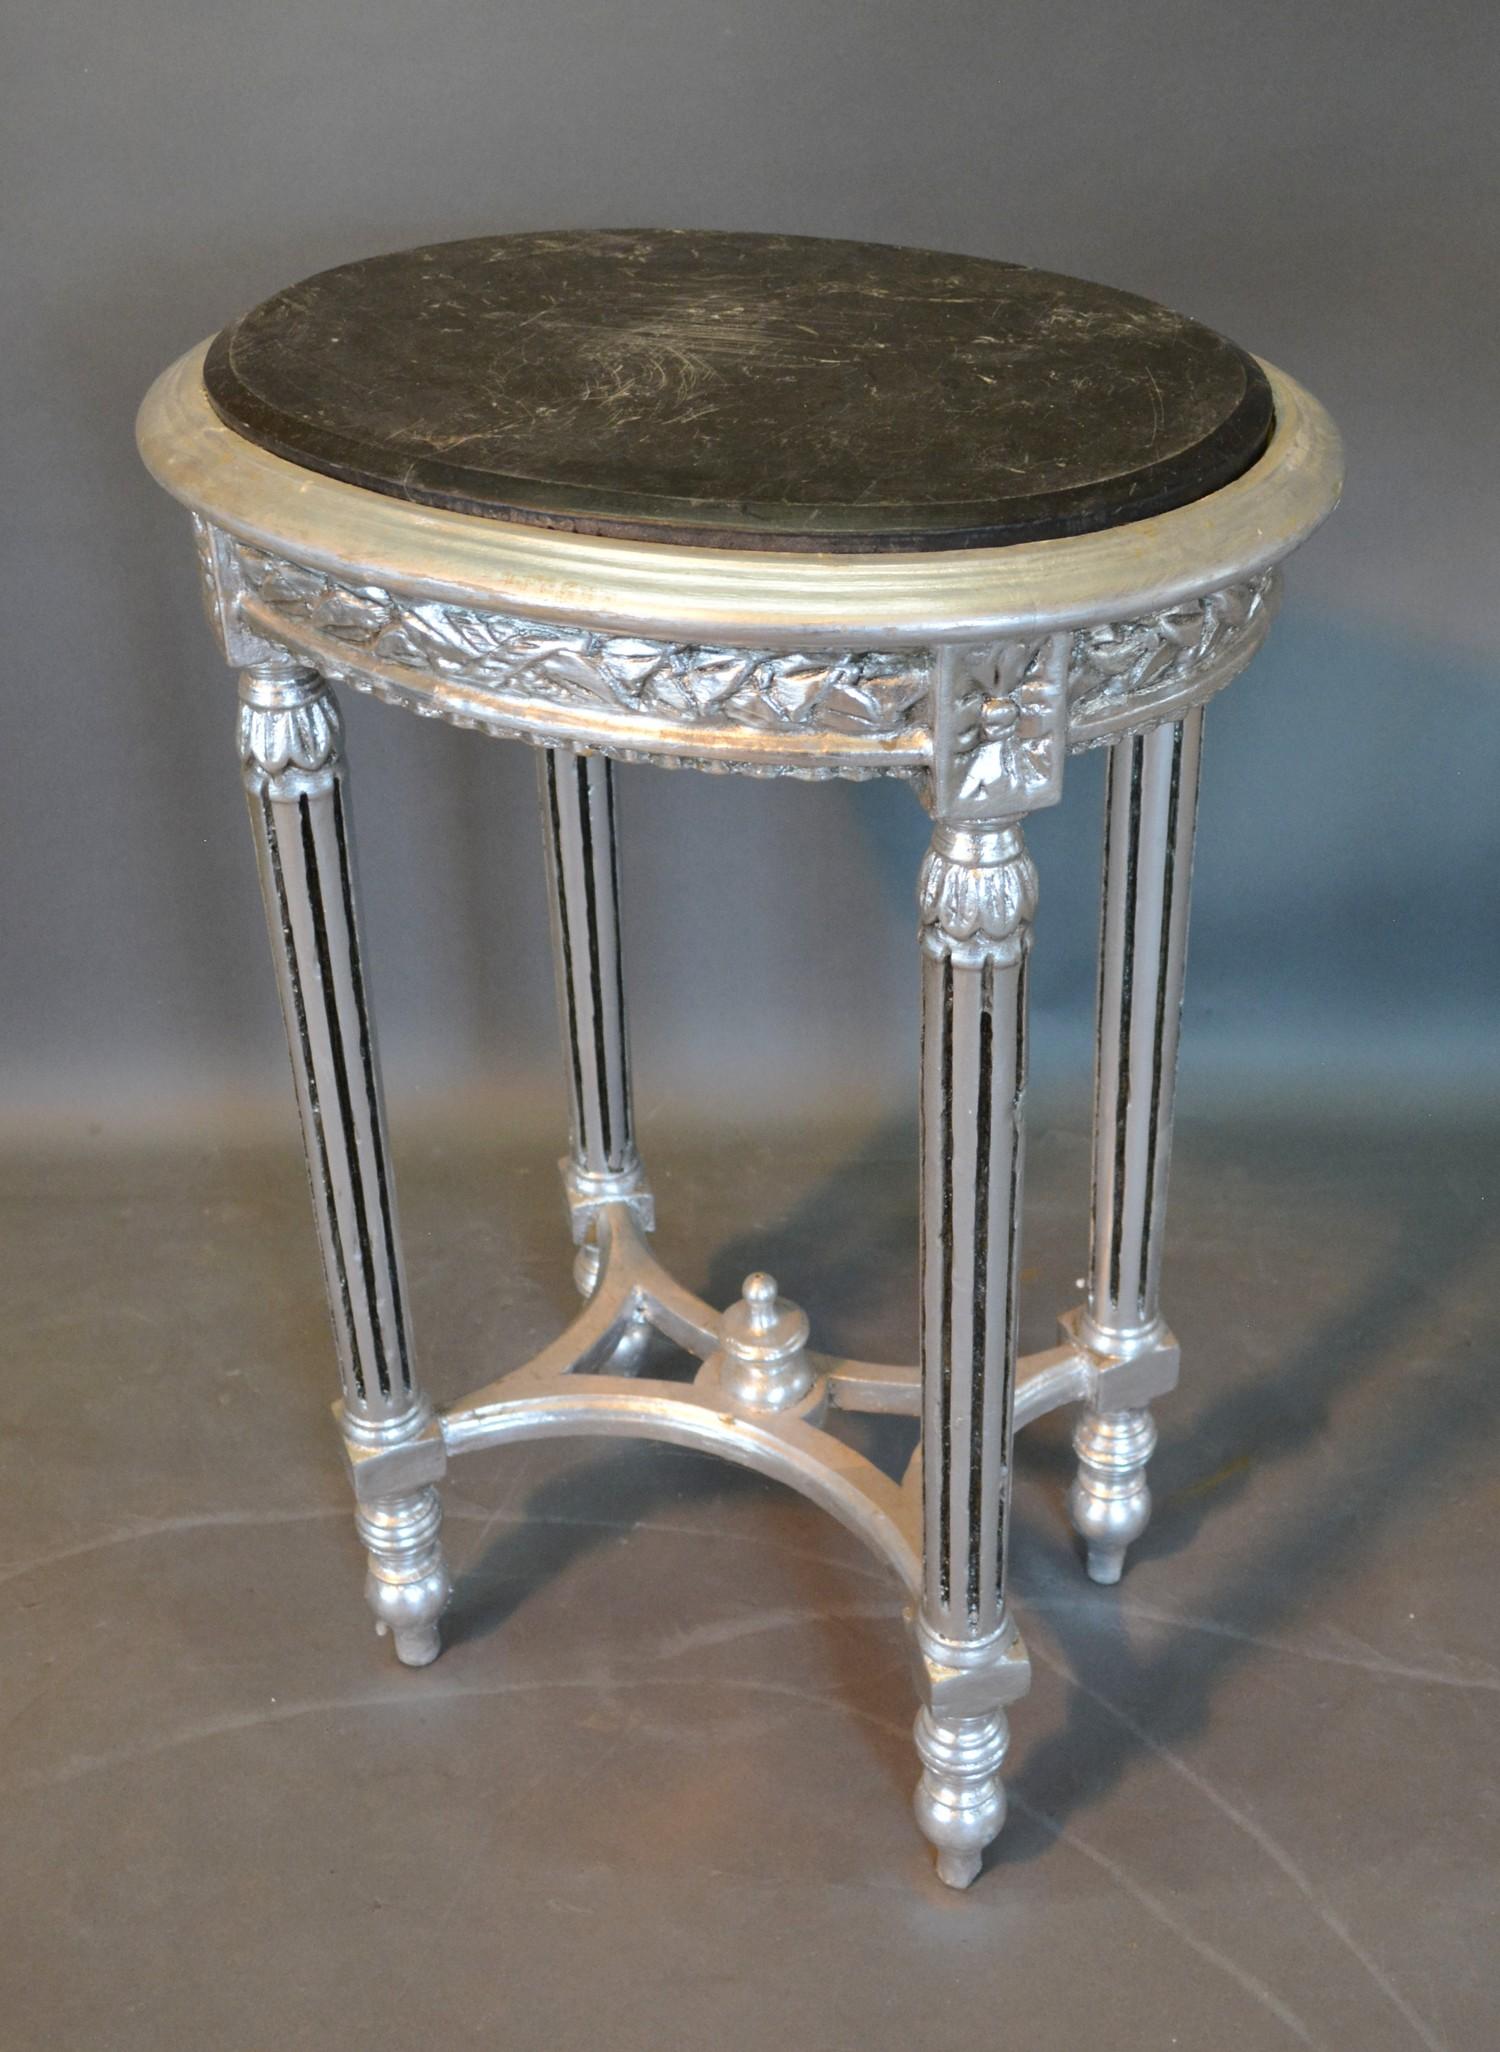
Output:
[[655, 1793]]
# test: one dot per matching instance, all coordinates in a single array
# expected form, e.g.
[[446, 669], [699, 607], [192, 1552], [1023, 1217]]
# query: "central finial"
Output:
[[762, 1362], [761, 1295]]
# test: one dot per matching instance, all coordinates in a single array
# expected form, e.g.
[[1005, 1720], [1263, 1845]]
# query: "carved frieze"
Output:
[[1120, 675], [846, 694], [991, 723]]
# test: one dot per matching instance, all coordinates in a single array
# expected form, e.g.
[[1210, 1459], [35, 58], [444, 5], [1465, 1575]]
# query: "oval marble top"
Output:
[[743, 391]]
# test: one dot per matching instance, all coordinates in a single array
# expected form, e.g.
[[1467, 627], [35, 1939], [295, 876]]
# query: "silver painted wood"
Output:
[[1150, 813], [971, 673], [809, 713], [583, 877], [762, 1364], [583, 881], [771, 1428], [295, 781], [977, 896]]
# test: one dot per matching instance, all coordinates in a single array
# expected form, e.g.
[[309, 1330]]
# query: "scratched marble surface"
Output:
[[655, 1791], [747, 391]]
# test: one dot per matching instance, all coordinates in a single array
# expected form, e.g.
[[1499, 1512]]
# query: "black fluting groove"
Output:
[[341, 1086], [304, 1042], [1163, 963], [608, 778], [1012, 1255], [924, 1157], [596, 974], [981, 1258], [1098, 998], [569, 995], [1109, 831], [945, 1324], [372, 1088], [1127, 980]]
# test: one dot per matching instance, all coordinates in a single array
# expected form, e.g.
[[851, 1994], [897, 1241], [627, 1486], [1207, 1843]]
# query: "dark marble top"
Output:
[[743, 391]]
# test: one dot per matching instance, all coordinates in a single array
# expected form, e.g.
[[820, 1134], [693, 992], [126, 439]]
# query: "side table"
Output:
[[786, 507]]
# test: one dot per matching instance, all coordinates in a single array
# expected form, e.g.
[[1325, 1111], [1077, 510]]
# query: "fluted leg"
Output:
[[583, 875], [977, 896], [1150, 810], [583, 870], [292, 760]]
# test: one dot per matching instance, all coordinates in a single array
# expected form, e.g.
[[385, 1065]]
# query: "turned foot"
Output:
[[408, 1584], [1109, 1502], [960, 1801]]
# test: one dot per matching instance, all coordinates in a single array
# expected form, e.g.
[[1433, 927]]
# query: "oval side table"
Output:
[[786, 507]]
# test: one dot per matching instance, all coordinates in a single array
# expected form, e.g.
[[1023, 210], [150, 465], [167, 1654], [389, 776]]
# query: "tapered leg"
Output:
[[294, 775], [1150, 810], [583, 871], [977, 896], [583, 875]]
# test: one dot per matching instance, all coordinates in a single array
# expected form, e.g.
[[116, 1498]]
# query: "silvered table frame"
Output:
[[970, 673]]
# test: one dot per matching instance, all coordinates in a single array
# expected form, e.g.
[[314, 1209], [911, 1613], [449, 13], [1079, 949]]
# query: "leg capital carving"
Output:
[[977, 894], [290, 733]]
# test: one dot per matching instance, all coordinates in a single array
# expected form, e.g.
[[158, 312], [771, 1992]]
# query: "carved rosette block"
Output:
[[292, 763], [999, 729]]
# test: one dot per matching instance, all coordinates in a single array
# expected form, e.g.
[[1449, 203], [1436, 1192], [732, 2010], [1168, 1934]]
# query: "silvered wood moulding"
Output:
[[726, 598]]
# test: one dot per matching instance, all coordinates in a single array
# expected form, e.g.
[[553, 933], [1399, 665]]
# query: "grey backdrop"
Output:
[[1319, 182]]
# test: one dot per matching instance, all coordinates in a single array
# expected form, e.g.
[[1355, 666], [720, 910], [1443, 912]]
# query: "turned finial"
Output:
[[762, 1362]]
